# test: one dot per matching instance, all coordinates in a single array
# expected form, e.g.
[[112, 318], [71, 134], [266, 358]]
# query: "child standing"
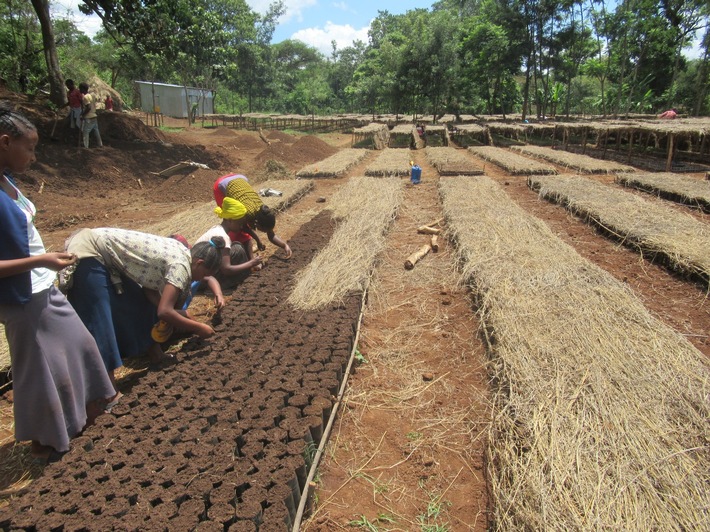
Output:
[[90, 122], [75, 100], [59, 381]]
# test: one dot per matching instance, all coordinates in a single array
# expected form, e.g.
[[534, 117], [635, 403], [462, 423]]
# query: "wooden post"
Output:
[[416, 257], [631, 144], [669, 160], [584, 140]]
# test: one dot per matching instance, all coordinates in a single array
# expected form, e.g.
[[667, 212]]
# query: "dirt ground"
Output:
[[406, 451]]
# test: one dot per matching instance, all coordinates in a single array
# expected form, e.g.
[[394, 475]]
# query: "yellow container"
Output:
[[162, 331]]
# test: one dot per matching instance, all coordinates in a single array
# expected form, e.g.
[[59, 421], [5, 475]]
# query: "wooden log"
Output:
[[426, 230], [436, 222], [261, 135], [434, 243], [416, 257]]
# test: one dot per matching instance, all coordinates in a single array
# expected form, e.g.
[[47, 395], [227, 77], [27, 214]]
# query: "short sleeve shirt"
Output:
[[75, 98], [91, 102], [151, 261], [216, 230]]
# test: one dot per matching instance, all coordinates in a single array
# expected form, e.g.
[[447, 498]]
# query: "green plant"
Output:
[[360, 357], [364, 522], [428, 520], [413, 436]]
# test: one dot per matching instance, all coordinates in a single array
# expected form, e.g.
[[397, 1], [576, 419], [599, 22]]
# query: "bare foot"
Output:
[[156, 355]]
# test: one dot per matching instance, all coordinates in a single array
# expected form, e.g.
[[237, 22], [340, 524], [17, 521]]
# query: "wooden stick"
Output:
[[434, 243], [41, 187], [437, 222], [416, 257], [426, 230]]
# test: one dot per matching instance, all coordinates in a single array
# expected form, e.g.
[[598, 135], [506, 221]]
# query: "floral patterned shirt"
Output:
[[149, 260]]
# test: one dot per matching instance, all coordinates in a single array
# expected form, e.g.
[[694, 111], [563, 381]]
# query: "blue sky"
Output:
[[318, 22], [315, 22]]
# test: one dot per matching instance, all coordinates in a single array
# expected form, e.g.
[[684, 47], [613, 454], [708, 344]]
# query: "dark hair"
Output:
[[13, 123], [83, 87], [265, 218], [210, 252], [69, 83]]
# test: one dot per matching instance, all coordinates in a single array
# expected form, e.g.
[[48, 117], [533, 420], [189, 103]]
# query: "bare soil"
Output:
[[407, 448]]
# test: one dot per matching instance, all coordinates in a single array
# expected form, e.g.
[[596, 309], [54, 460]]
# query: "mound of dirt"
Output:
[[122, 126], [281, 136], [223, 132], [305, 150], [245, 141]]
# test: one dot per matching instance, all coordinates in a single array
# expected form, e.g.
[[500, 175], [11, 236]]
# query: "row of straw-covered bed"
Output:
[[602, 411]]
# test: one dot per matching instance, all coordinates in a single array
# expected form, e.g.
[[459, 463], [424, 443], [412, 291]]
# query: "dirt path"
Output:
[[407, 449]]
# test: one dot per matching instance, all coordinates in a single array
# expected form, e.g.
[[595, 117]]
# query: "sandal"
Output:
[[109, 406]]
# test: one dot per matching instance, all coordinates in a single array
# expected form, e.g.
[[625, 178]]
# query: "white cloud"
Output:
[[89, 24], [343, 35], [294, 8], [344, 6]]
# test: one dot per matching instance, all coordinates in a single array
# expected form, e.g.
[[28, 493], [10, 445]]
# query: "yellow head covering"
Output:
[[231, 209]]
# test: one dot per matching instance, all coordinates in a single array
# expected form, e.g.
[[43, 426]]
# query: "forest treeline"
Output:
[[536, 57]]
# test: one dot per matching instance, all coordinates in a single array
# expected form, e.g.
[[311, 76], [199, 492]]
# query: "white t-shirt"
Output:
[[216, 230], [42, 278]]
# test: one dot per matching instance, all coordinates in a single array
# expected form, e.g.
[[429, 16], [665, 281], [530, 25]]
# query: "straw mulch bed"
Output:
[[450, 161], [364, 208], [335, 165], [601, 410], [375, 135], [513, 163], [391, 162], [678, 238], [574, 161], [679, 188]]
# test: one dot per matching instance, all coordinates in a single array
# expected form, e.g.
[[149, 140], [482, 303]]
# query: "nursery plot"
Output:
[[366, 206], [224, 436], [391, 162], [675, 187], [678, 238], [602, 409], [335, 165], [450, 161], [574, 161], [404, 136], [514, 163]]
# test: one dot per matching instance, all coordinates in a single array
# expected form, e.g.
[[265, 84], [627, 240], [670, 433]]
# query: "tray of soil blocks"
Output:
[[221, 440]]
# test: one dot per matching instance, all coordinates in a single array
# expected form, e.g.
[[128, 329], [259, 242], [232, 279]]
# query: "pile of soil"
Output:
[[122, 126], [223, 438], [304, 151], [281, 136]]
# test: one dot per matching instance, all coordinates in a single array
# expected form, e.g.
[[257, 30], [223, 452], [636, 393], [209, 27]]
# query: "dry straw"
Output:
[[450, 161], [513, 163], [365, 208], [677, 237], [574, 161], [335, 165], [680, 188], [391, 162], [601, 410]]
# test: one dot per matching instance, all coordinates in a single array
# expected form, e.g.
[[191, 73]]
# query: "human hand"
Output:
[[219, 301], [58, 260], [261, 246], [204, 330], [287, 250], [256, 261]]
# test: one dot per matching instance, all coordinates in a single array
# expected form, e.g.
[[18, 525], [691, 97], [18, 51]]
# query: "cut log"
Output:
[[434, 243], [416, 257], [261, 135], [426, 230]]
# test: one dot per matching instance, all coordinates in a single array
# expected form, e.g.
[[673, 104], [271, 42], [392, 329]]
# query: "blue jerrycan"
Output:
[[416, 174]]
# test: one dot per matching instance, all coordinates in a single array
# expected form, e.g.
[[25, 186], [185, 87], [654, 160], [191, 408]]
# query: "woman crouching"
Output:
[[127, 280]]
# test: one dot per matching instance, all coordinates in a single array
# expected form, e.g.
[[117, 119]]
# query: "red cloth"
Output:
[[668, 114], [109, 103], [75, 98]]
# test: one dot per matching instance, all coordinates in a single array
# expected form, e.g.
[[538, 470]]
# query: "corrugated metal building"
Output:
[[170, 99]]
